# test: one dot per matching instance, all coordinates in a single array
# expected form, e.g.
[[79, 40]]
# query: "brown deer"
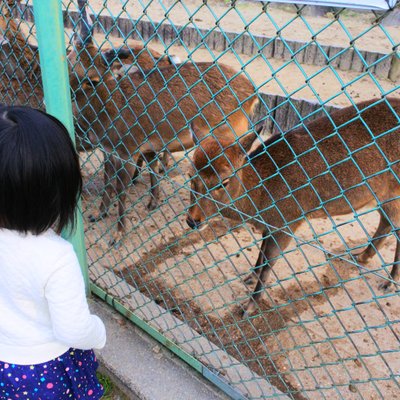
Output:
[[19, 62], [332, 166], [142, 114], [126, 59]]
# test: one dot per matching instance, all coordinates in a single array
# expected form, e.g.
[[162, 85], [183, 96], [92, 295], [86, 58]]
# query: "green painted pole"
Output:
[[53, 64]]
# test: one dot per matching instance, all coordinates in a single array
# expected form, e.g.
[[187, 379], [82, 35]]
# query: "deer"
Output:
[[137, 56], [142, 114], [19, 61], [333, 165]]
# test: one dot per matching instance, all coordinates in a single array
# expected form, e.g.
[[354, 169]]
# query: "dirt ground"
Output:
[[324, 329]]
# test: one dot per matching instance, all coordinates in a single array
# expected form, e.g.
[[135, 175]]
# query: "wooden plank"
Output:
[[219, 41], [346, 59], [394, 73], [229, 39], [168, 33], [238, 44], [321, 57], [248, 45], [292, 117], [334, 59], [280, 115], [310, 53], [279, 48], [370, 58], [148, 30], [382, 69], [126, 26], [137, 30], [185, 35], [268, 48], [306, 108], [195, 38], [266, 109], [357, 63], [113, 29], [299, 55], [289, 49]]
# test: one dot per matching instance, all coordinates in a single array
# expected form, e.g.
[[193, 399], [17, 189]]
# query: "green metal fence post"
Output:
[[53, 63]]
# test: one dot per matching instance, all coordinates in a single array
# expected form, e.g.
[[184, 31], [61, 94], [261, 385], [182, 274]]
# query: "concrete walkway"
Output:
[[142, 368]]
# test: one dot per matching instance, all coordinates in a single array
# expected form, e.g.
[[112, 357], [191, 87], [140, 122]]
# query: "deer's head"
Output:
[[88, 65], [215, 175]]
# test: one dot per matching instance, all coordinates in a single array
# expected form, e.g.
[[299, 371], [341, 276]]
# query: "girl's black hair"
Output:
[[40, 179]]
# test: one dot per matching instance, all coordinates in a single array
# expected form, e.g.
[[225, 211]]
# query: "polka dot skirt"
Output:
[[71, 376]]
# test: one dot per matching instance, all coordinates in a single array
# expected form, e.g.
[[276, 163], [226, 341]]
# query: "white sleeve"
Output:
[[72, 322]]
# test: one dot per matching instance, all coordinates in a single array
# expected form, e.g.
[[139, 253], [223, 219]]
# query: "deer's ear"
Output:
[[247, 140], [108, 56], [112, 55]]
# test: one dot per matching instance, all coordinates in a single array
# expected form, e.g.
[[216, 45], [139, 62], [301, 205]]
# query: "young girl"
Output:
[[46, 329]]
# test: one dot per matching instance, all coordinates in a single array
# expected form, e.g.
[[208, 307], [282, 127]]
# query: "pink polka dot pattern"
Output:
[[72, 376]]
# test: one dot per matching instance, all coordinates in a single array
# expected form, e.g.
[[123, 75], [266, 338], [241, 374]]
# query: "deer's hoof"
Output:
[[116, 240], [153, 204], [362, 257], [385, 286], [250, 279], [97, 216], [250, 308]]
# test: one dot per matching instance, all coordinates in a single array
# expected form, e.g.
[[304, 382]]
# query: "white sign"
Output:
[[365, 4]]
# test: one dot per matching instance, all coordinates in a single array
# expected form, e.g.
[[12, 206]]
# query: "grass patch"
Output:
[[110, 390]]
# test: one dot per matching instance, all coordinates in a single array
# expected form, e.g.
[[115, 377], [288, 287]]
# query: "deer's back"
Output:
[[333, 165], [168, 98]]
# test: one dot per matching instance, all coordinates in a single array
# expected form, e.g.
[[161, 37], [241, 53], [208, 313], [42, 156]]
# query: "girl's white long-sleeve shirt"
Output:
[[43, 306]]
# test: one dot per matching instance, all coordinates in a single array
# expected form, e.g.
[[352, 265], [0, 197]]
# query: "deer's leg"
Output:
[[139, 165], [110, 172], [124, 175], [155, 187], [377, 240], [164, 162], [392, 210], [271, 246], [395, 273], [151, 161]]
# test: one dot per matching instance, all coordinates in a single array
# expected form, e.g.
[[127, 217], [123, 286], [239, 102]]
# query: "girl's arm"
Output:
[[72, 322]]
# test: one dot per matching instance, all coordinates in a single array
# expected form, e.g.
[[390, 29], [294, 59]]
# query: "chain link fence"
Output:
[[148, 78]]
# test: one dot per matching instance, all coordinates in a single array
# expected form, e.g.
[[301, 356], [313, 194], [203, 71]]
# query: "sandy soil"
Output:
[[311, 82], [324, 327]]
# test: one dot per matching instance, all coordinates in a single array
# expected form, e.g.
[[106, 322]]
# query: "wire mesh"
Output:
[[323, 327]]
